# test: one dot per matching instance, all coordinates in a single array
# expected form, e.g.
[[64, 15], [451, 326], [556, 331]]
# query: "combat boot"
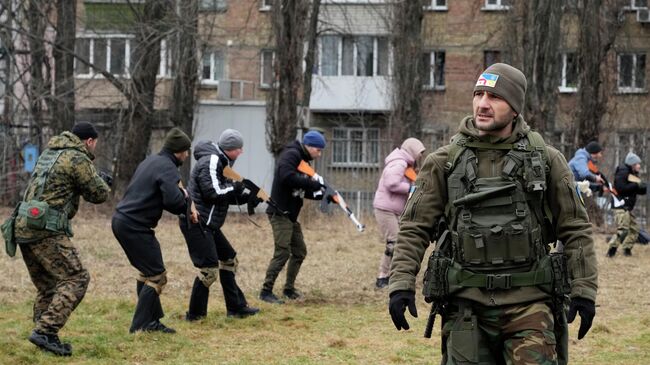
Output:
[[157, 326], [627, 252], [292, 294], [243, 312], [611, 252], [269, 297], [51, 343]]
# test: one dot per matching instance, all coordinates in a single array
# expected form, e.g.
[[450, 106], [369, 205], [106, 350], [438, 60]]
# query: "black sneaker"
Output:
[[156, 326], [627, 252], [611, 252], [51, 343], [292, 294], [381, 283], [269, 297], [243, 312], [193, 317]]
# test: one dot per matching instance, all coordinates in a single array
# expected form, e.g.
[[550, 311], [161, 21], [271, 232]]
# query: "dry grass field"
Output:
[[342, 320]]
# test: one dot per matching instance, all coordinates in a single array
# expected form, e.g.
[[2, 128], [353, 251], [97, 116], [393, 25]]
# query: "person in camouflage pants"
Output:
[[63, 173]]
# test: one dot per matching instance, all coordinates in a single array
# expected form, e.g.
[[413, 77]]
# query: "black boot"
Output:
[[198, 301], [51, 343], [627, 252], [243, 312], [611, 252], [147, 310]]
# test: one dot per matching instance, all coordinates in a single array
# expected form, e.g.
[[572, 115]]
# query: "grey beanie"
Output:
[[632, 159], [230, 139], [505, 81]]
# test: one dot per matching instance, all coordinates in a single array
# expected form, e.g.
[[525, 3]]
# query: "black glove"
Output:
[[238, 188], [587, 310], [106, 177], [253, 201], [399, 300]]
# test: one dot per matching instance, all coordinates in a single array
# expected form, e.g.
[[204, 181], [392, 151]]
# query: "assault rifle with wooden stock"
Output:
[[306, 169], [255, 190]]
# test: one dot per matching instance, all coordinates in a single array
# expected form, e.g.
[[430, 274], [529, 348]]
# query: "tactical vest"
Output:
[[500, 223], [37, 213]]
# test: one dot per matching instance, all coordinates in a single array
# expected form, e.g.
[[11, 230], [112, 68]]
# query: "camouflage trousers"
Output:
[[627, 230], [515, 334], [289, 247], [60, 280]]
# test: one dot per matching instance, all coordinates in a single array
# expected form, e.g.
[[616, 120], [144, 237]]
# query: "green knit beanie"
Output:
[[177, 141], [505, 81]]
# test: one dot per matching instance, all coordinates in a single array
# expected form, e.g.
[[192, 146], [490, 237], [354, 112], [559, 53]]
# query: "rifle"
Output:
[[306, 169], [255, 190], [436, 287]]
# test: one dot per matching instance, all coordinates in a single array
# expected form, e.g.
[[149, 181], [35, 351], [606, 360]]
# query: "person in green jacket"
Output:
[[505, 197], [64, 172]]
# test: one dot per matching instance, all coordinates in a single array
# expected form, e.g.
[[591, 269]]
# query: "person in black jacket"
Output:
[[210, 251], [628, 185], [154, 187], [288, 190]]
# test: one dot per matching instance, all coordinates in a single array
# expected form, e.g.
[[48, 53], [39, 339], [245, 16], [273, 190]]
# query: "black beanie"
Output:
[[593, 147], [177, 141], [84, 130], [505, 81]]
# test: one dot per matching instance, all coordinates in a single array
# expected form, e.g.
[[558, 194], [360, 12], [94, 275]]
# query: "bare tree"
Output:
[[408, 68], [288, 22], [63, 103], [599, 23]]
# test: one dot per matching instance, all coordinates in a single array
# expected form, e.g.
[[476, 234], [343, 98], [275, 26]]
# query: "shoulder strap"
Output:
[[48, 159], [537, 142], [457, 147]]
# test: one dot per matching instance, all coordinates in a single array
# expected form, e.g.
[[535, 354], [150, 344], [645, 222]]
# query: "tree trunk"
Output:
[[406, 119], [288, 23], [541, 62], [184, 89], [63, 106], [137, 120], [310, 57]]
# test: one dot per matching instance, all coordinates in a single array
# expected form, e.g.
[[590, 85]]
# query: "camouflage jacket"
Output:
[[72, 175], [427, 205]]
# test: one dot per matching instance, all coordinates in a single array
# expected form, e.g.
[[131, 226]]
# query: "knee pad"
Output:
[[157, 282], [390, 247], [208, 275], [229, 265]]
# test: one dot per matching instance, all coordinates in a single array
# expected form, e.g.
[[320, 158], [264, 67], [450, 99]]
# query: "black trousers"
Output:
[[207, 247], [143, 251]]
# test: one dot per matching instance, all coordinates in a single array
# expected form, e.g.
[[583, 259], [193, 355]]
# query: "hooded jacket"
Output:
[[210, 191], [427, 205], [289, 185], [72, 175], [153, 188], [626, 189], [393, 186], [579, 166]]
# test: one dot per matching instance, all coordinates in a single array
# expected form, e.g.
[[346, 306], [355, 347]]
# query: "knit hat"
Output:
[[632, 159], [593, 147], [84, 130], [314, 139], [231, 139], [177, 141], [505, 81]]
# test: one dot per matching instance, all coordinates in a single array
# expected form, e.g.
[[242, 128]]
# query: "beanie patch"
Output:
[[487, 79]]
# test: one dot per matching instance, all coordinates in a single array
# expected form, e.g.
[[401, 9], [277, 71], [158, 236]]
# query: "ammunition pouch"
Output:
[[39, 215], [436, 279], [8, 233]]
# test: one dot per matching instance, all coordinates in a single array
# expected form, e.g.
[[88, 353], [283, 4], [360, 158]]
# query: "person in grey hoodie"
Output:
[[390, 199]]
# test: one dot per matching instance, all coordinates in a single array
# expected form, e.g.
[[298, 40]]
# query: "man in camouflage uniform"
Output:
[[497, 185], [63, 173]]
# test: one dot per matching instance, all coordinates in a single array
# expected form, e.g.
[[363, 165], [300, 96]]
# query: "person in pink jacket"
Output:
[[390, 199]]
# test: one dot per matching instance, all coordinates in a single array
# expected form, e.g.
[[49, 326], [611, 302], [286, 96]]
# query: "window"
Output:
[[436, 5], [434, 70], [496, 5], [638, 4], [213, 5], [265, 5], [115, 54], [353, 56], [631, 72], [267, 72], [212, 67], [490, 58], [355, 146], [569, 71]]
